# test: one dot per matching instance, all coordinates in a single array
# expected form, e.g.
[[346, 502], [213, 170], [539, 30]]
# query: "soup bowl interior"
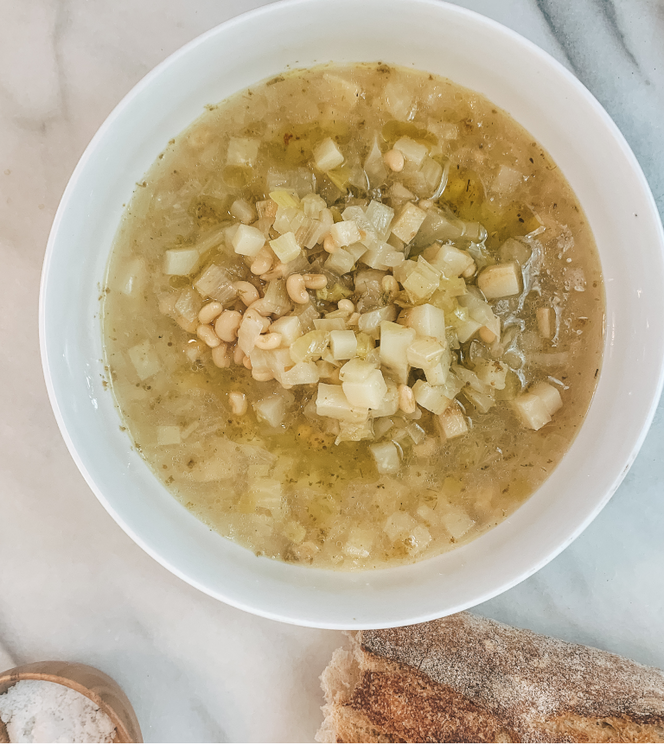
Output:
[[473, 52]]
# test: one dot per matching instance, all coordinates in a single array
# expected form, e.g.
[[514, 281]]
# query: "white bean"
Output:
[[406, 399], [238, 402], [470, 272], [246, 361], [262, 377], [262, 261], [221, 356], [329, 244], [209, 312], [268, 341], [394, 160], [390, 285], [206, 334], [227, 324], [247, 293], [314, 281], [296, 289], [260, 307], [238, 355], [276, 272], [347, 306]]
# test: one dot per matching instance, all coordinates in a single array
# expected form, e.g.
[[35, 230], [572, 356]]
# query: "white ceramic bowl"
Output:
[[476, 53]]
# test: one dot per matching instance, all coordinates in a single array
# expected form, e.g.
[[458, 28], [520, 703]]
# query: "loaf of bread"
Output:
[[470, 679]]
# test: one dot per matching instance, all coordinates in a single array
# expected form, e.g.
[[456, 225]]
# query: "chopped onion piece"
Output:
[[493, 373], [354, 432], [309, 347], [374, 166], [313, 205], [359, 543], [345, 232], [386, 456], [276, 301], [285, 198]]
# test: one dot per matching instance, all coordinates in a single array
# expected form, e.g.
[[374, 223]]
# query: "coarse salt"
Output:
[[41, 711]]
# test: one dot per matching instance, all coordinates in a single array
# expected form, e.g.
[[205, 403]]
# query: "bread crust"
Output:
[[471, 679]]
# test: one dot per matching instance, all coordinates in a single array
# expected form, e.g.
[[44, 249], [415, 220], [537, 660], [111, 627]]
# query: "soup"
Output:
[[353, 316]]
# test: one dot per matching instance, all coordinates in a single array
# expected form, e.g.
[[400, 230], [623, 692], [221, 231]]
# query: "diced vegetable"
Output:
[[216, 283], [453, 423], [242, 151], [550, 396], [422, 282], [501, 280], [180, 261], [408, 222], [546, 322], [286, 247], [271, 409], [243, 211], [368, 393], [380, 216], [248, 240], [394, 343], [425, 352], [290, 329], [332, 402], [427, 320], [369, 323], [327, 155], [168, 434], [399, 525], [412, 151], [343, 344], [448, 259], [431, 397], [492, 373], [359, 544], [303, 373], [532, 410], [346, 232], [144, 359], [329, 324], [386, 456], [458, 522]]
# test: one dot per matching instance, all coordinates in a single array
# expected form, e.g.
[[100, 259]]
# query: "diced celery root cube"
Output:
[[453, 423], [368, 393], [501, 280], [431, 397], [550, 396], [343, 344], [248, 240], [408, 222], [531, 410], [546, 322], [399, 525], [327, 155], [386, 456], [181, 262]]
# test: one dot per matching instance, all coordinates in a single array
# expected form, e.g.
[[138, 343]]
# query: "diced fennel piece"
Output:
[[394, 343], [448, 259], [380, 216], [431, 397], [500, 280], [331, 401], [248, 240], [492, 372], [313, 205], [303, 373], [424, 352], [531, 410], [289, 327], [416, 433], [422, 282], [367, 394], [251, 327], [406, 225], [144, 359], [276, 301], [310, 346], [483, 402], [398, 525], [437, 374], [289, 219], [382, 256], [411, 150], [465, 326], [217, 283], [267, 493], [286, 247], [343, 344], [480, 311], [433, 176], [242, 151], [359, 543], [180, 262], [369, 323], [340, 262], [168, 434], [390, 404], [387, 457], [243, 211], [271, 409], [285, 198], [306, 313], [188, 305], [550, 396], [327, 155], [546, 322], [382, 426], [427, 320], [452, 422]]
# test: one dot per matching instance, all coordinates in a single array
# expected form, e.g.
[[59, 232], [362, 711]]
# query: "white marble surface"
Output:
[[72, 585]]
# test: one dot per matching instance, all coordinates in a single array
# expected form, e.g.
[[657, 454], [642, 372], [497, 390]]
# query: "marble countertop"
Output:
[[72, 584]]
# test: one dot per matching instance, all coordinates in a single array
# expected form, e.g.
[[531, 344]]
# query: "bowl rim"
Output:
[[275, 8]]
